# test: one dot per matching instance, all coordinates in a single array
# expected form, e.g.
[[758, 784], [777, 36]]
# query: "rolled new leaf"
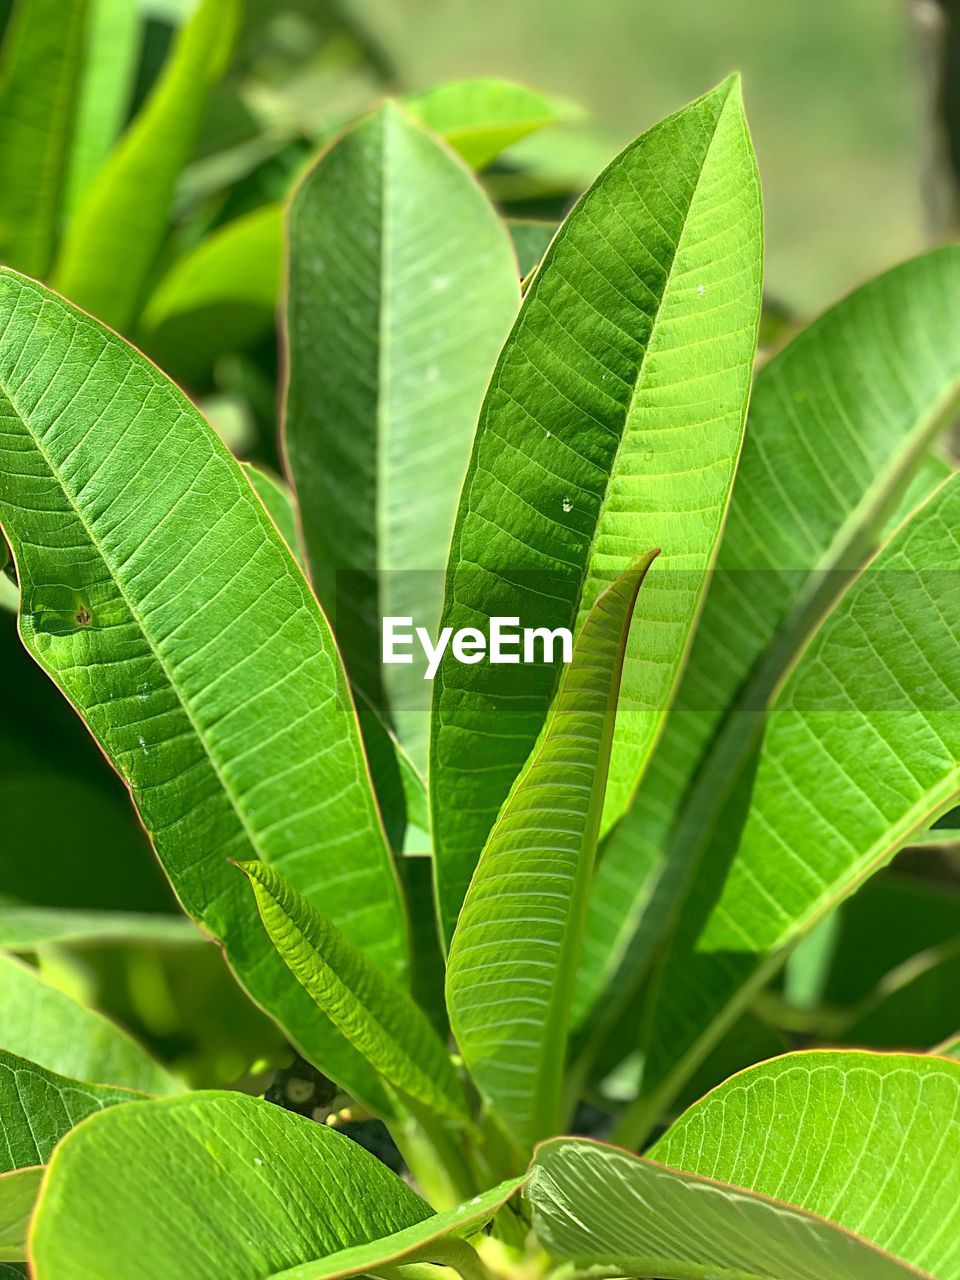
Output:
[[514, 954], [613, 421], [815, 1166], [376, 1016]]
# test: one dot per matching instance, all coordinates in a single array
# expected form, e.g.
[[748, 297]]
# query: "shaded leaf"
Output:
[[18, 1195], [109, 68], [514, 953], [162, 600], [24, 927], [220, 296], [645, 305], [390, 231], [377, 1017], [530, 240], [41, 74]]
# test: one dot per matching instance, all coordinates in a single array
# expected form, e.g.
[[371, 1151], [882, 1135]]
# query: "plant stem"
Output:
[[434, 1156]]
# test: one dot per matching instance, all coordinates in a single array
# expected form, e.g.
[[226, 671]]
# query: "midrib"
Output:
[[641, 371]]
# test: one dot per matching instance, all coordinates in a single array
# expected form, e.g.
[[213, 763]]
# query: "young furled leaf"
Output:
[[377, 1017], [514, 953]]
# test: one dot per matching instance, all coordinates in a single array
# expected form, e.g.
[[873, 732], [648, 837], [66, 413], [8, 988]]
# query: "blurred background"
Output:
[[836, 92], [143, 165]]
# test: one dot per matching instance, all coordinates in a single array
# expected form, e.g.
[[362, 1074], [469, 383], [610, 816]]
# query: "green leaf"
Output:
[[514, 953], [217, 298], [626, 374], [949, 1049], [161, 599], [253, 1187], [38, 1107], [929, 475], [18, 1195], [117, 230], [42, 1024], [861, 750], [390, 231], [837, 421], [278, 503], [39, 83], [251, 1183], [481, 118], [377, 1017], [109, 69], [825, 1165], [24, 927]]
